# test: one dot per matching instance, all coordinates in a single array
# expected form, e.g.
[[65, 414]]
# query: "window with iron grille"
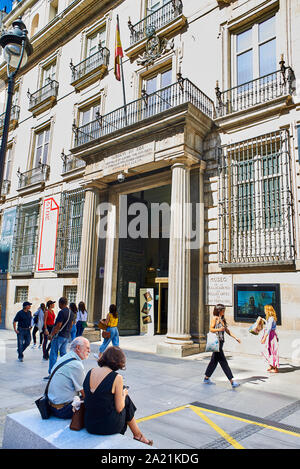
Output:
[[69, 230], [25, 238], [70, 292], [255, 201], [21, 294]]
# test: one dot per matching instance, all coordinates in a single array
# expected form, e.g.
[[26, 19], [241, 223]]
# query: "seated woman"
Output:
[[108, 408]]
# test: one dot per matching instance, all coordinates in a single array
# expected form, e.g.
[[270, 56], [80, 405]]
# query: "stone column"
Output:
[[178, 341], [88, 252], [109, 270], [202, 337]]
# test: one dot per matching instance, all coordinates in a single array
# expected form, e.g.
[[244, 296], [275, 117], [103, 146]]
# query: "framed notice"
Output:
[[219, 289], [131, 289], [48, 235]]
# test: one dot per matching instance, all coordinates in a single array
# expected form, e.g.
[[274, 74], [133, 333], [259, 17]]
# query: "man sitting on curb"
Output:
[[67, 382]]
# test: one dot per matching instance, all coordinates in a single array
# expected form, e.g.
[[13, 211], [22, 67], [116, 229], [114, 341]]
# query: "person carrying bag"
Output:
[[43, 403]]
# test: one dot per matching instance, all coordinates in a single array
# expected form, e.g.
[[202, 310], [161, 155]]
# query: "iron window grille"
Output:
[[255, 201], [70, 292], [69, 230], [25, 238], [21, 294]]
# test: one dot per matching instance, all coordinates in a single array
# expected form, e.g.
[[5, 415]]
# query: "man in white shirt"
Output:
[[67, 382]]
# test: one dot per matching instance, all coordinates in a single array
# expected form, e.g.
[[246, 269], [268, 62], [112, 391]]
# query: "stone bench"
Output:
[[26, 430]]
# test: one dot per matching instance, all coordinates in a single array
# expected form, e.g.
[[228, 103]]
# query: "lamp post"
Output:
[[17, 49]]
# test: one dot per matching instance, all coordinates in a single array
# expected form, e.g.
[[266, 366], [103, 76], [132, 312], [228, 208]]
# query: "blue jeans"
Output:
[[58, 344], [64, 413], [24, 339], [73, 333], [114, 338], [79, 328]]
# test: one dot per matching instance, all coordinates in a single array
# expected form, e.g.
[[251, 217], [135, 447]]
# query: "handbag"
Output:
[[77, 422], [102, 325], [43, 402], [212, 343], [106, 334]]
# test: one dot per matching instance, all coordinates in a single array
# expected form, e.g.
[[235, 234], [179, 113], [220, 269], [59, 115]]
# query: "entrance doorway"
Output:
[[144, 260]]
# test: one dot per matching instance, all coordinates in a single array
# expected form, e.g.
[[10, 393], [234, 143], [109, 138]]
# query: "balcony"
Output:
[[274, 86], [34, 179], [14, 118], [72, 166], [44, 98], [90, 70], [159, 103], [167, 19]]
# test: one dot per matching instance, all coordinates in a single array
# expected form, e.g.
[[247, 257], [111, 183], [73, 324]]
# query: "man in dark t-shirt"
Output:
[[23, 319], [60, 333]]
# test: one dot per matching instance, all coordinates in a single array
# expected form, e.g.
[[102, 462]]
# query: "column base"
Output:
[[177, 350]]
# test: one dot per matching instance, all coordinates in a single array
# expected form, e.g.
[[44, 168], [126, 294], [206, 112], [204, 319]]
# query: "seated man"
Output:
[[67, 382]]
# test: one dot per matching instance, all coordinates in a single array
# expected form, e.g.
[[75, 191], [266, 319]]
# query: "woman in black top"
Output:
[[108, 408]]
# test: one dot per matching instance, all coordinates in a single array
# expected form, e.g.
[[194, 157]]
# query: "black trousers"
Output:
[[219, 357], [129, 412], [35, 329]]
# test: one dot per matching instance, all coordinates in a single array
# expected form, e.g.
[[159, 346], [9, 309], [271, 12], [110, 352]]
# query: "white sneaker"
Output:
[[40, 346], [34, 346]]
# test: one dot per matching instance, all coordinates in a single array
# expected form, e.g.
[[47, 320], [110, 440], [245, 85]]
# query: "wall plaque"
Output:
[[219, 289], [129, 159]]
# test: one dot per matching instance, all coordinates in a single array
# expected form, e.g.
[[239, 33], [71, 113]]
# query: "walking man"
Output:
[[60, 333], [23, 319]]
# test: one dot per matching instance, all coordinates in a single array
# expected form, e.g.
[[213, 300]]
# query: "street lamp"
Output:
[[16, 50]]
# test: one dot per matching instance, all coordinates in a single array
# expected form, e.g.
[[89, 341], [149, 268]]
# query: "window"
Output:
[[25, 238], [53, 9], [95, 41], [255, 205], [88, 114], [8, 164], [153, 5], [159, 101], [34, 25], [41, 147], [255, 51], [48, 73], [69, 230], [70, 292], [21, 294]]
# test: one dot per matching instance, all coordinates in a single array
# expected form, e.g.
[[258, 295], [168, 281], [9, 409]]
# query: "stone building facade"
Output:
[[210, 129]]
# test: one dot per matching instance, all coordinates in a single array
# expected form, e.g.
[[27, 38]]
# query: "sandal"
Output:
[[147, 442]]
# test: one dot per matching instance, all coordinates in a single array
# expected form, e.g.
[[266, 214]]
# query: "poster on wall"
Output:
[[219, 289], [7, 234], [250, 300], [48, 236], [147, 311]]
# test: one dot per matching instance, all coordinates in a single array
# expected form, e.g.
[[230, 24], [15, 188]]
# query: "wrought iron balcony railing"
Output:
[[254, 92], [148, 106], [101, 57], [71, 163], [156, 20], [33, 176], [47, 92], [5, 188], [14, 116]]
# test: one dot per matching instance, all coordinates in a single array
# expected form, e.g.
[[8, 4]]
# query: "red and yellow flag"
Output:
[[118, 53]]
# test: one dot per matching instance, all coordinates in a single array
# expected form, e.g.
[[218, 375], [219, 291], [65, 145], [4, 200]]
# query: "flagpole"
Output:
[[122, 79]]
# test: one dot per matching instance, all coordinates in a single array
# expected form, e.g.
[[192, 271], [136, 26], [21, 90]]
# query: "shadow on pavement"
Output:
[[253, 379], [286, 368]]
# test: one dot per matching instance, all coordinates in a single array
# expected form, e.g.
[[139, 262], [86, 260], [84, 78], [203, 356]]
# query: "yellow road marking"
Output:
[[218, 429], [252, 422], [160, 414]]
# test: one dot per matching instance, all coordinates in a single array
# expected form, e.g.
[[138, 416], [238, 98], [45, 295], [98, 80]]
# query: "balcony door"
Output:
[[159, 95]]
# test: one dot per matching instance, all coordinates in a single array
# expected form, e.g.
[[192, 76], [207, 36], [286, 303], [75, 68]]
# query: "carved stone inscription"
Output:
[[129, 159]]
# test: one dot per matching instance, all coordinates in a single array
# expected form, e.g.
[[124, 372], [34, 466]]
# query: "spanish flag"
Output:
[[118, 53]]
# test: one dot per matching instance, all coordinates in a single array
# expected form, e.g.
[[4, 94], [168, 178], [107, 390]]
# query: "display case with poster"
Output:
[[147, 311], [250, 300]]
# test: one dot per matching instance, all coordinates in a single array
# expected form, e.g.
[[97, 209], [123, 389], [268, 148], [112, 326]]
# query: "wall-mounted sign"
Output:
[[48, 236], [147, 311], [250, 300], [128, 159], [219, 289], [131, 289]]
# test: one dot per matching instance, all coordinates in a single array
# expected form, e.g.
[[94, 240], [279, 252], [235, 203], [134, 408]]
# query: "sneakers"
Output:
[[20, 359], [207, 381], [40, 346], [234, 384], [33, 346]]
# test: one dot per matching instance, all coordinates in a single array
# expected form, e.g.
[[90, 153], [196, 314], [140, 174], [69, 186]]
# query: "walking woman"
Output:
[[218, 325], [270, 340], [38, 319], [74, 311], [111, 322], [49, 320], [81, 319]]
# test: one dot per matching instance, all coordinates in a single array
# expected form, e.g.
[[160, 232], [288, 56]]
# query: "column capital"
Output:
[[185, 159], [93, 185], [202, 166]]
